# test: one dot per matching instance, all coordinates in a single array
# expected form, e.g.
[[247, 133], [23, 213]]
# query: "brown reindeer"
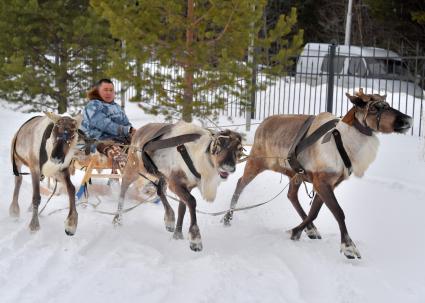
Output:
[[213, 157], [321, 163], [45, 144]]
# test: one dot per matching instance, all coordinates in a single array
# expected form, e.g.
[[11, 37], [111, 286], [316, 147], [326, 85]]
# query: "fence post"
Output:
[[249, 112], [331, 76]]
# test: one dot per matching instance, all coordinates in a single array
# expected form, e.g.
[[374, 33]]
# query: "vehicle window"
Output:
[[338, 64], [357, 67], [397, 67], [377, 67]]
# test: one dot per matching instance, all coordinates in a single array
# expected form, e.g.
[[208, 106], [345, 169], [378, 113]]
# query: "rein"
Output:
[[224, 211]]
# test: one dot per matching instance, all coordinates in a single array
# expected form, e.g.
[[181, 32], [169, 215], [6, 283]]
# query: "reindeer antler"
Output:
[[362, 95], [376, 97], [369, 97]]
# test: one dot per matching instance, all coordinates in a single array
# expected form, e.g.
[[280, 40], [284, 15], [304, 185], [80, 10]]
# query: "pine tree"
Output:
[[50, 52], [201, 45], [399, 24]]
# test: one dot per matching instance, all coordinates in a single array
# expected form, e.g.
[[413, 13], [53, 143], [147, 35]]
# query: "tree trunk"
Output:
[[188, 68], [137, 85], [62, 83]]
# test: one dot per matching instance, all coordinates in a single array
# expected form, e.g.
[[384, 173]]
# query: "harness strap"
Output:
[[183, 152], [365, 130], [342, 151], [301, 143], [293, 153], [170, 142], [316, 135], [43, 152], [177, 141]]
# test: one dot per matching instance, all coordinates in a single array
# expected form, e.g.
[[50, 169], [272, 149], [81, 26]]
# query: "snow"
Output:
[[252, 261]]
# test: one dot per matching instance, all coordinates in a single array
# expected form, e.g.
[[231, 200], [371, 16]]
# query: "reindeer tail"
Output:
[[12, 154]]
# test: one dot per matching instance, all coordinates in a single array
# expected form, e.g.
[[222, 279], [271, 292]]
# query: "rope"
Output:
[[48, 200], [234, 209], [309, 194], [126, 210], [232, 125]]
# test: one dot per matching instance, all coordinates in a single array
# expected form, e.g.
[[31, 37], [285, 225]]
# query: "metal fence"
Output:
[[323, 73]]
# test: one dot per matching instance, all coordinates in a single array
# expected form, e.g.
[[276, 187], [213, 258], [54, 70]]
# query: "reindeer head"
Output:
[[374, 113], [63, 134], [226, 149]]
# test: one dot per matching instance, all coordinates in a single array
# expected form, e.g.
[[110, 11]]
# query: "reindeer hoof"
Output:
[[34, 230], [169, 222], [350, 251], [195, 238], [178, 235], [70, 230], [34, 226], [117, 221], [14, 211], [227, 219], [313, 233], [196, 246], [71, 226], [295, 234], [69, 233]]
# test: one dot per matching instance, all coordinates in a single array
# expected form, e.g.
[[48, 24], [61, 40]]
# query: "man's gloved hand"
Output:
[[132, 131]]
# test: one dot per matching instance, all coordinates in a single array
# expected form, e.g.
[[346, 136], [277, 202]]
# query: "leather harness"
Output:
[[178, 142], [43, 152], [301, 142]]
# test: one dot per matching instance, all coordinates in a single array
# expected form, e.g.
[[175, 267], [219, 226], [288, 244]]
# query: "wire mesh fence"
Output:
[[318, 81]]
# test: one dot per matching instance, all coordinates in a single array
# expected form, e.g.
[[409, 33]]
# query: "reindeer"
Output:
[[200, 160], [46, 145], [324, 163]]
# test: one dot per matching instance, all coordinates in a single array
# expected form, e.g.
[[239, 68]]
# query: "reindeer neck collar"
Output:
[[350, 119], [365, 130]]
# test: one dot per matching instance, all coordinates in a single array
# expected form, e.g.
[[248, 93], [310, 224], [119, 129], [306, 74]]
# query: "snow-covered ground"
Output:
[[252, 261]]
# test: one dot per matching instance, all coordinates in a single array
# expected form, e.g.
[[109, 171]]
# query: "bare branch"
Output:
[[211, 42], [197, 21]]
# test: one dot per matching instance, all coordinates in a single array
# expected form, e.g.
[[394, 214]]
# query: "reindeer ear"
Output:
[[52, 116], [78, 118], [356, 100]]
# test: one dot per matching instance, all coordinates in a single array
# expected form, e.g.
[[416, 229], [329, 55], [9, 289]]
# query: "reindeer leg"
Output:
[[312, 215], [169, 218], [310, 229], [179, 225], [128, 178], [252, 169], [348, 248], [35, 177], [194, 234], [14, 206], [71, 221]]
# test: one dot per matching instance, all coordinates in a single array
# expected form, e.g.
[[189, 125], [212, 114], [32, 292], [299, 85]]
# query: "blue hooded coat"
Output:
[[105, 121]]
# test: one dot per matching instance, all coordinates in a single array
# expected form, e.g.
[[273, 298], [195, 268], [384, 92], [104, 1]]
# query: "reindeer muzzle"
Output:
[[402, 123]]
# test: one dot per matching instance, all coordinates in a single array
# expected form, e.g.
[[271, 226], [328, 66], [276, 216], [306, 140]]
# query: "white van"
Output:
[[384, 69]]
